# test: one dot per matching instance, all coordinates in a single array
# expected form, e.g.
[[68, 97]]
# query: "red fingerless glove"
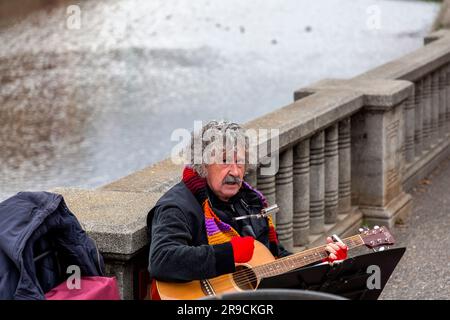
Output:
[[340, 254], [242, 248]]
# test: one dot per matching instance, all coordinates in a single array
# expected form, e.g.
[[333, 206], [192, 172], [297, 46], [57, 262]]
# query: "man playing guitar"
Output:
[[195, 229]]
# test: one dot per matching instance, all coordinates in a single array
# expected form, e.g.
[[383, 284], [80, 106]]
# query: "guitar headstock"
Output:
[[376, 237]]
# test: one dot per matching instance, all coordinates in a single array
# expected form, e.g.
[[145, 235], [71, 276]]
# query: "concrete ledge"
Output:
[[115, 220]]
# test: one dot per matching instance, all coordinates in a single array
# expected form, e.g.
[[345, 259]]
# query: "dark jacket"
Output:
[[32, 223], [179, 249]]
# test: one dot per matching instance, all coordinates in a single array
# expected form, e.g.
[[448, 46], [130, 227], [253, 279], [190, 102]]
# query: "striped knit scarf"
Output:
[[218, 231]]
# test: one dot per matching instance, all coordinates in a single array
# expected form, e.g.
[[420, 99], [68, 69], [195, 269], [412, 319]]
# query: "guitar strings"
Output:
[[240, 275], [249, 276]]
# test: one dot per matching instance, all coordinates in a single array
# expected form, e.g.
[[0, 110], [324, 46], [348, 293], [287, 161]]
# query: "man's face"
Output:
[[221, 173]]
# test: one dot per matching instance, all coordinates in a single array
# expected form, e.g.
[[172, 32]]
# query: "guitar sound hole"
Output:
[[245, 278]]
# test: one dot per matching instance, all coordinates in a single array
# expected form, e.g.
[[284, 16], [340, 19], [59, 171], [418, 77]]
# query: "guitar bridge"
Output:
[[207, 288]]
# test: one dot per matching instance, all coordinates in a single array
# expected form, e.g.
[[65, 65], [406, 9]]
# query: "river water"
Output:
[[82, 107]]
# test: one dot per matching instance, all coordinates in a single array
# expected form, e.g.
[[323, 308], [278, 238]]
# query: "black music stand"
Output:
[[347, 279]]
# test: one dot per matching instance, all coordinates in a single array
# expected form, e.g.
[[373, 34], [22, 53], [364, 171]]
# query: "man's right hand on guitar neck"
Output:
[[336, 251]]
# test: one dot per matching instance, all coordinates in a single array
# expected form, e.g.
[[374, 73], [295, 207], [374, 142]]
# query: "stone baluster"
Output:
[[284, 198], [434, 107], [317, 184], [427, 112], [266, 185], [419, 103], [331, 174], [409, 129], [447, 101], [301, 193], [442, 101], [345, 201]]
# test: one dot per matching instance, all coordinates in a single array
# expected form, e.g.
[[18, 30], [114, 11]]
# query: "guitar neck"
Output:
[[301, 259]]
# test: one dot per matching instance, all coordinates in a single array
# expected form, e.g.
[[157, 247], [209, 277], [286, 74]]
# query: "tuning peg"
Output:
[[376, 227], [381, 249], [361, 230]]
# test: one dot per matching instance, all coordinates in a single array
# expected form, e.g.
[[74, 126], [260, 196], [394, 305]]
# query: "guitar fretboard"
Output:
[[301, 259]]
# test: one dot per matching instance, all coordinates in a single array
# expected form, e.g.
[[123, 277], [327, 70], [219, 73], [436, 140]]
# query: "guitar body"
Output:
[[219, 285]]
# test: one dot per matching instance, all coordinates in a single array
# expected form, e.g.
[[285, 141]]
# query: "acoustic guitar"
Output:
[[263, 265]]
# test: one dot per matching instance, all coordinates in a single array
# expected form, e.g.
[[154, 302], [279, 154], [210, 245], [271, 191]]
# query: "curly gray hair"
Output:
[[215, 138]]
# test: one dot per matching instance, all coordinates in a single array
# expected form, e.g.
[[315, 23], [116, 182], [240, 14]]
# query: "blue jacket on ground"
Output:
[[32, 223]]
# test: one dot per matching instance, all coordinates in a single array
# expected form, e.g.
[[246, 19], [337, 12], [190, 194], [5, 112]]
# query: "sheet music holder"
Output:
[[347, 279]]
